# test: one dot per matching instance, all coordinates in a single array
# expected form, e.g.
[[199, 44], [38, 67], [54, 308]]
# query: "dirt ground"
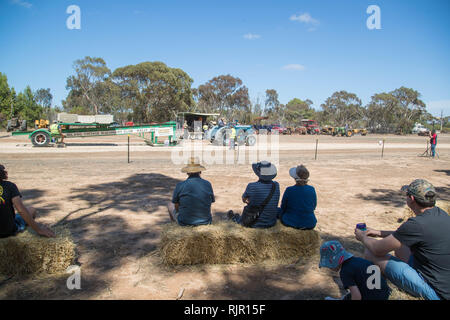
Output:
[[115, 211]]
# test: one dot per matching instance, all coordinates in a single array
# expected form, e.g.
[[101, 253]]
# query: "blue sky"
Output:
[[303, 49]]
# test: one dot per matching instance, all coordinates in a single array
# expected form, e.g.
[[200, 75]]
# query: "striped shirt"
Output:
[[257, 192]]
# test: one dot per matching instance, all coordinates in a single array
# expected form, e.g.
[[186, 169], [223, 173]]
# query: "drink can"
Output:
[[361, 226]]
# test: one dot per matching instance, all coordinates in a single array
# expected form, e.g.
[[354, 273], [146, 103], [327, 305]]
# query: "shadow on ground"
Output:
[[387, 197], [35, 198], [103, 242], [447, 172]]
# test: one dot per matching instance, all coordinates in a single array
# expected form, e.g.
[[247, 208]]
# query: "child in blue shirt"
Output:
[[360, 276]]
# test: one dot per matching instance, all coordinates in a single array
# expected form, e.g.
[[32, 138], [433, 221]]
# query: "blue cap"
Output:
[[333, 254]]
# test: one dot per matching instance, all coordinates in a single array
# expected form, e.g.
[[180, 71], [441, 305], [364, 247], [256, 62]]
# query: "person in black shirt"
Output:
[[421, 265], [10, 222]]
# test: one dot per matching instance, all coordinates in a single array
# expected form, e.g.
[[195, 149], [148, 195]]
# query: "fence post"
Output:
[[128, 148], [317, 142]]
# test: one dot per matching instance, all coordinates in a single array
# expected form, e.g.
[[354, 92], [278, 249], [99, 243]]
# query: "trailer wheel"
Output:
[[40, 139]]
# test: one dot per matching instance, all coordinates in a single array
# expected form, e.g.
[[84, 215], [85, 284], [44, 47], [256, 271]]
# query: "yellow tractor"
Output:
[[41, 124], [362, 132]]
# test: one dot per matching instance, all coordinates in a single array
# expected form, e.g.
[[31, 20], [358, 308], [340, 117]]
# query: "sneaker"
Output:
[[230, 214]]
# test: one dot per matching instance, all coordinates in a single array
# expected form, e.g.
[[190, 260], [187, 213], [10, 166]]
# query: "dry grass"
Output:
[[398, 294], [229, 243], [444, 205], [28, 253]]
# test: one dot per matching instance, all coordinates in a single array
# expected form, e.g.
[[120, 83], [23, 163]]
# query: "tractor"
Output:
[[312, 127], [41, 124], [244, 135], [342, 132], [16, 125]]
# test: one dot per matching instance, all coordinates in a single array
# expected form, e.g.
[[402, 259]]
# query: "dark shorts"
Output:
[[404, 276]]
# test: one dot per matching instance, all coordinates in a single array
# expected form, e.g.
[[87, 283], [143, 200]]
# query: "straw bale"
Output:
[[28, 253], [229, 243]]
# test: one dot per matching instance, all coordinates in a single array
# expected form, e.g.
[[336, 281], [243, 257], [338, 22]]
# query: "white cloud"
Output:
[[251, 36], [296, 67], [22, 3], [306, 19]]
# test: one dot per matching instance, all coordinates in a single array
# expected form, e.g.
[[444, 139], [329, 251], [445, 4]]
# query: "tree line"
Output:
[[153, 92]]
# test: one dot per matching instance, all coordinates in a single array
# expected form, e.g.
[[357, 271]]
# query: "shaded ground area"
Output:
[[115, 211]]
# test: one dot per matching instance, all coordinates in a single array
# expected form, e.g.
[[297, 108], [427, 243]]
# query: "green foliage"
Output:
[[297, 109], [226, 95], [342, 108], [26, 107], [86, 86], [396, 111], [154, 91], [6, 99]]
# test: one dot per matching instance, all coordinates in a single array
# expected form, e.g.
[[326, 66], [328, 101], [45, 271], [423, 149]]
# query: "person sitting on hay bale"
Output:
[[192, 198], [299, 202], [354, 273], [261, 198], [10, 222], [421, 266]]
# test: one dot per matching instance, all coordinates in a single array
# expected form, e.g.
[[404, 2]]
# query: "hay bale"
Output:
[[397, 294], [28, 253], [444, 205], [228, 243]]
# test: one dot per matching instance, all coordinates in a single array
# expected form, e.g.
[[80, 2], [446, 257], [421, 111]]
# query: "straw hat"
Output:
[[193, 166]]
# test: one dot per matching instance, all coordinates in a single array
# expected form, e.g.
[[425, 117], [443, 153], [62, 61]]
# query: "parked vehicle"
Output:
[[279, 129], [420, 129], [244, 135], [312, 127], [15, 124]]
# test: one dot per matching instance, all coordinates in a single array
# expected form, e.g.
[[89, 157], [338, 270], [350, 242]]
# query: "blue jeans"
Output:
[[405, 277], [20, 223], [433, 150]]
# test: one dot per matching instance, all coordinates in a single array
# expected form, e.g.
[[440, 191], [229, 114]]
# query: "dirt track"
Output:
[[115, 211]]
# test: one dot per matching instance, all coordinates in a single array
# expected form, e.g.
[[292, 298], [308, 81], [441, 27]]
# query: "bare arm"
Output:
[[40, 229], [378, 233], [378, 247], [356, 294]]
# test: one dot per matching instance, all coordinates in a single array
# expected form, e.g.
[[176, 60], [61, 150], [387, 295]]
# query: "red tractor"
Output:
[[312, 127]]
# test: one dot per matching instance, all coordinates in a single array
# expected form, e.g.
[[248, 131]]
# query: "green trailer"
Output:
[[153, 134]]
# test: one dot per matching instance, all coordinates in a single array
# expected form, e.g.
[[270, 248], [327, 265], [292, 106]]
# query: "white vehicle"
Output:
[[419, 129]]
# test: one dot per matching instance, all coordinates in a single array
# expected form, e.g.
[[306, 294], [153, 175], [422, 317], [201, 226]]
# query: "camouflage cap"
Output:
[[419, 189]]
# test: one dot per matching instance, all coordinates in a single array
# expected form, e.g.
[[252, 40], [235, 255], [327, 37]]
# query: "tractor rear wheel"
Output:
[[250, 140], [40, 139]]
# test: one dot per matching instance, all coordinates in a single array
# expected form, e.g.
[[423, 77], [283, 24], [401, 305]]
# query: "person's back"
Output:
[[428, 237], [194, 196], [8, 191], [257, 192], [356, 271], [297, 207], [54, 129]]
